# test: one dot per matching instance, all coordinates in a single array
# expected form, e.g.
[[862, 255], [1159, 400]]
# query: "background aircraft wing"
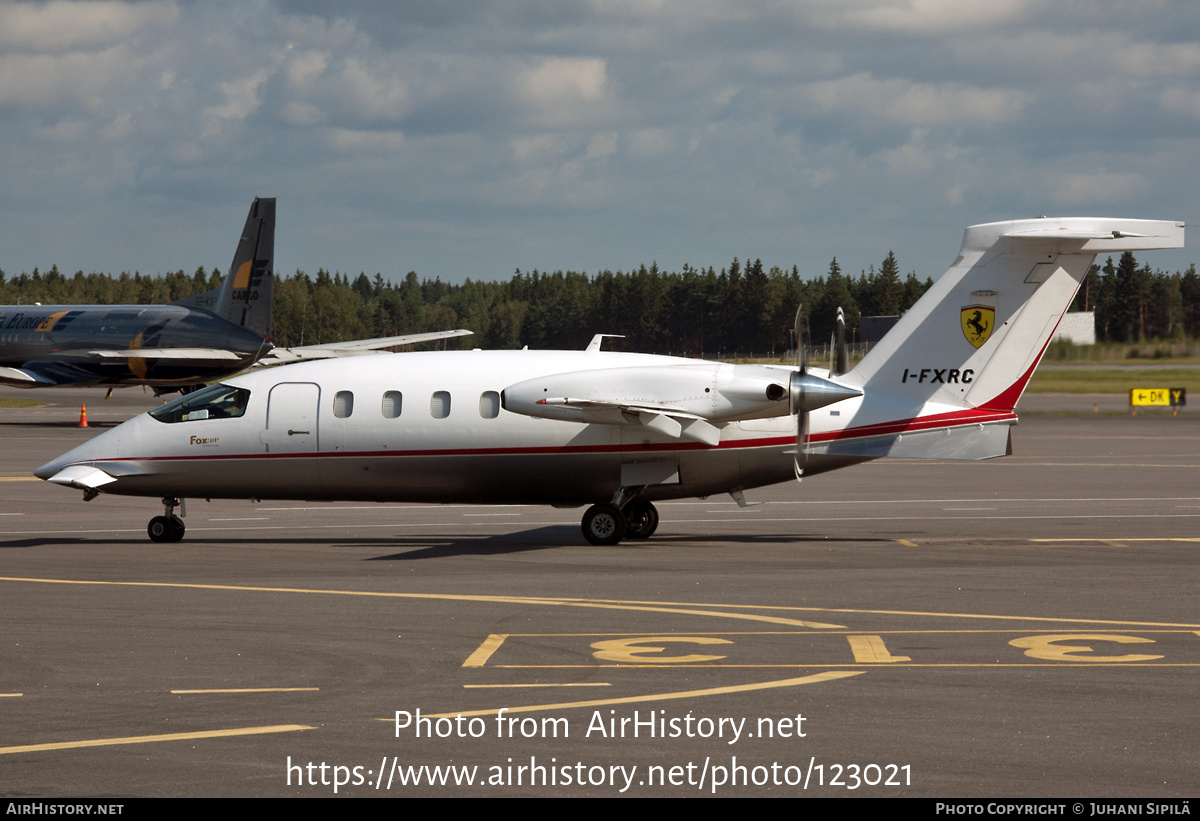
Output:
[[27, 378], [191, 354], [281, 356]]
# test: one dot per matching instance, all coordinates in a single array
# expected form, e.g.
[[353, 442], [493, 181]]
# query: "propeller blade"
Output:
[[801, 336], [840, 342], [800, 457]]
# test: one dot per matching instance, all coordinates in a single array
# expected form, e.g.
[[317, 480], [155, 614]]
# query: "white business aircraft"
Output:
[[618, 431]]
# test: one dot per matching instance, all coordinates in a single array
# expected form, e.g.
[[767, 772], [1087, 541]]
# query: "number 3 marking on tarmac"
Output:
[[630, 651], [1044, 647]]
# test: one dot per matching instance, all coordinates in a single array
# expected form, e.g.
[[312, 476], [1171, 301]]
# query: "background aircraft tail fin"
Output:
[[974, 339], [244, 298]]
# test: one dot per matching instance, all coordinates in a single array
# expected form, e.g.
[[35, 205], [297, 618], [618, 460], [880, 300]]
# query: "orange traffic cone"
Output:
[[83, 416]]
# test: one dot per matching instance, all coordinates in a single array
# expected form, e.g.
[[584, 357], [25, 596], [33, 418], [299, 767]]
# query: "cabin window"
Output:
[[392, 403], [214, 402], [343, 404], [439, 405], [489, 405]]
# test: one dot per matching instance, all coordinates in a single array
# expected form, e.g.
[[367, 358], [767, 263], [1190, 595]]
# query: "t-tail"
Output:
[[244, 298], [945, 381]]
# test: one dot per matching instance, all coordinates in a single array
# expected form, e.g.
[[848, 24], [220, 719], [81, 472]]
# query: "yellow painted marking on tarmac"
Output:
[[516, 686], [19, 479], [905, 542], [872, 650], [680, 608], [600, 604], [830, 675], [908, 631], [1147, 539], [631, 651], [484, 652], [861, 611], [11, 695], [148, 739], [248, 690], [1044, 647], [827, 665]]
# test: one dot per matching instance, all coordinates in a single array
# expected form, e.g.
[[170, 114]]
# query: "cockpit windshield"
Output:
[[214, 402]]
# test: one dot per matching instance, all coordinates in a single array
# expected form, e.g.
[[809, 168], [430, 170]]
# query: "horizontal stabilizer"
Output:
[[1100, 235], [968, 443], [281, 356]]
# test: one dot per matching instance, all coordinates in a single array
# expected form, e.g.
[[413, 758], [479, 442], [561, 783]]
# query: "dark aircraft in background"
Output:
[[180, 346]]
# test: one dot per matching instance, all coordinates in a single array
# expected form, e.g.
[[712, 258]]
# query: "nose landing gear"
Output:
[[168, 527]]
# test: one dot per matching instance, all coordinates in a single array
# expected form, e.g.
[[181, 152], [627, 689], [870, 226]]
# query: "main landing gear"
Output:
[[168, 527], [609, 524]]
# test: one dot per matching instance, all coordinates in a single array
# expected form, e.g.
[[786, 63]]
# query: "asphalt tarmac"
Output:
[[1023, 627]]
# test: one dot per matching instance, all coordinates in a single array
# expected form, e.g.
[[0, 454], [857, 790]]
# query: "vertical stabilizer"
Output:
[[974, 339], [244, 298]]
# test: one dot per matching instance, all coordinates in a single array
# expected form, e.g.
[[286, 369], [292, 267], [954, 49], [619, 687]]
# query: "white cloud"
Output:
[[908, 103], [304, 68], [368, 142], [700, 127], [59, 27], [924, 17], [241, 100], [564, 90], [1181, 100], [48, 81], [602, 145], [373, 94], [1091, 187], [538, 146]]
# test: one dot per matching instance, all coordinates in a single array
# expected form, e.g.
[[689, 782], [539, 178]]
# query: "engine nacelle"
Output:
[[710, 391]]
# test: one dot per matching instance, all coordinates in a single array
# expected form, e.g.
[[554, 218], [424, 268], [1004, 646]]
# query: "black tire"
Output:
[[641, 519], [165, 529], [603, 525], [160, 529]]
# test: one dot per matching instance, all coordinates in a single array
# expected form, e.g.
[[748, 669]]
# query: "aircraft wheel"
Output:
[[165, 529], [160, 529], [603, 525], [641, 519]]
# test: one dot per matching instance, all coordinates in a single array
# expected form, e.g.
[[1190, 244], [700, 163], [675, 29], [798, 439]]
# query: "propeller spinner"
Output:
[[808, 392]]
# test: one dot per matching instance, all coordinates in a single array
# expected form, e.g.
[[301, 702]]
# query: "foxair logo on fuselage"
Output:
[[977, 323]]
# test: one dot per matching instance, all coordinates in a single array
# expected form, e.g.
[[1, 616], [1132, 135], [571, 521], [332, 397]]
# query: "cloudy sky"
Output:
[[469, 138]]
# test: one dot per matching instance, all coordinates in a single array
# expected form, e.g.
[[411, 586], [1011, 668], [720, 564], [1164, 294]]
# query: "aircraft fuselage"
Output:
[[430, 428], [61, 343]]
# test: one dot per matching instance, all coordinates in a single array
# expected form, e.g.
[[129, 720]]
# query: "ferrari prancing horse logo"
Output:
[[977, 323]]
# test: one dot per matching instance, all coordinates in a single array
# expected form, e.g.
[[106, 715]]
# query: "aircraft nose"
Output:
[[104, 446]]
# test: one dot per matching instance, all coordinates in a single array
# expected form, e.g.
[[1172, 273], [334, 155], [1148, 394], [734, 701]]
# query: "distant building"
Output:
[[872, 328], [1078, 327]]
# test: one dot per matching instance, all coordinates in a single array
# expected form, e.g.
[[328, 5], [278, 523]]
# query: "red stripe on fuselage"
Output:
[[952, 419]]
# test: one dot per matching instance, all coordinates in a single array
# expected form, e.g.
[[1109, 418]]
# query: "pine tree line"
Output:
[[742, 308]]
